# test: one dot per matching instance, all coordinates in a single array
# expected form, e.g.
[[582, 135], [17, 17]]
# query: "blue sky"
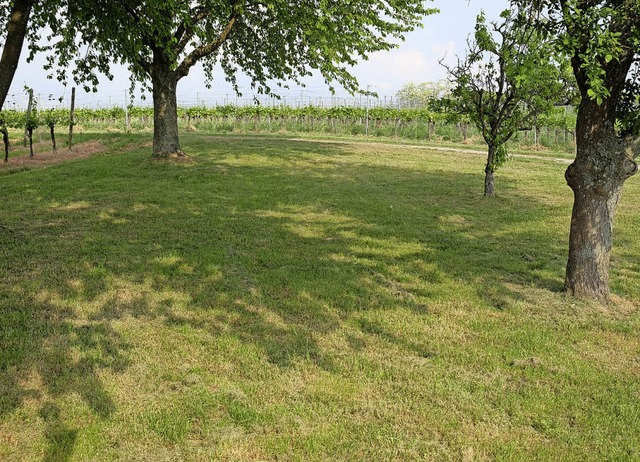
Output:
[[415, 60]]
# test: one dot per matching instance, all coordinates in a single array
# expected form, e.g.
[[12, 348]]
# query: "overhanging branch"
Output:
[[184, 33], [144, 64], [204, 50]]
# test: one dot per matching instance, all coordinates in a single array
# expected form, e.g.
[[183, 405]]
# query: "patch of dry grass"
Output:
[[43, 155]]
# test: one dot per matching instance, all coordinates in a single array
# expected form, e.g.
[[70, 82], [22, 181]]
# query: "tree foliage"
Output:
[[602, 40], [270, 41], [506, 82], [423, 94]]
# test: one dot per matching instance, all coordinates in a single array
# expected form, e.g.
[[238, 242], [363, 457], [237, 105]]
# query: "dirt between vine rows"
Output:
[[43, 155]]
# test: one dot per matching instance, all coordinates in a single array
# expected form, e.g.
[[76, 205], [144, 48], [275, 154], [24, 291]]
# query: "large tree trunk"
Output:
[[489, 184], [165, 111], [16, 30], [596, 178]]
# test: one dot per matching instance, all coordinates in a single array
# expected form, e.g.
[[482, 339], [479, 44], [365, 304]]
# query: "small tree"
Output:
[[10, 118], [506, 81], [31, 122], [52, 117]]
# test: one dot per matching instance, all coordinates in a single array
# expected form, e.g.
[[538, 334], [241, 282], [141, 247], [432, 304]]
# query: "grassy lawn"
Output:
[[307, 301]]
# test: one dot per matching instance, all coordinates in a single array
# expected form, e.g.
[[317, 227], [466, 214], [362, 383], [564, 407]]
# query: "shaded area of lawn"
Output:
[[302, 299]]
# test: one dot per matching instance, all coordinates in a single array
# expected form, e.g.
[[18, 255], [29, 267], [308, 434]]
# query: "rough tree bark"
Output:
[[166, 143], [489, 183], [16, 31], [602, 165], [164, 80]]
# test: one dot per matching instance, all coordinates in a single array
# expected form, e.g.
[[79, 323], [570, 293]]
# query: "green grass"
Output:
[[281, 300]]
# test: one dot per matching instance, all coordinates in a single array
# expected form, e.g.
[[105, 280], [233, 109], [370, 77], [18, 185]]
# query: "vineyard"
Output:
[[435, 123]]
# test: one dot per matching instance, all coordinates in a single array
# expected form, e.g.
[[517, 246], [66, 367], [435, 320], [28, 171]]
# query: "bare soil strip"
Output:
[[42, 158]]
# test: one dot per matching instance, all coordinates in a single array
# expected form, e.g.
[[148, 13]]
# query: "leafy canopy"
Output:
[[507, 80], [602, 37], [269, 40]]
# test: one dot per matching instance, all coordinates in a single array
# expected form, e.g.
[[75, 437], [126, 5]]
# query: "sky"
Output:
[[416, 59]]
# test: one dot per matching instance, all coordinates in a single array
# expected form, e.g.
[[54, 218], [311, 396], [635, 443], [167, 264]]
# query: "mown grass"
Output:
[[446, 135], [298, 300]]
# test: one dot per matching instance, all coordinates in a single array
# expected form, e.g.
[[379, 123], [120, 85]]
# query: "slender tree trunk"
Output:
[[53, 137], [30, 136], [72, 120], [29, 109], [596, 178], [165, 112], [16, 30], [489, 184], [5, 141]]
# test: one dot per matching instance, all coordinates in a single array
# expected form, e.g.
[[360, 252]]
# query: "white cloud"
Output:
[[389, 70]]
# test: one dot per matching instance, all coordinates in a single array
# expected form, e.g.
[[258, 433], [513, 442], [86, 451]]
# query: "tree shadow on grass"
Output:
[[312, 243], [387, 236], [49, 354], [276, 248], [60, 436]]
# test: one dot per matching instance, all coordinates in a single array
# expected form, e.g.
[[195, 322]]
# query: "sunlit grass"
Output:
[[281, 300]]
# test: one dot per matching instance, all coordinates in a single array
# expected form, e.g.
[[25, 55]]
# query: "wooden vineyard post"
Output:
[[5, 140], [71, 116], [127, 119], [29, 109], [52, 131]]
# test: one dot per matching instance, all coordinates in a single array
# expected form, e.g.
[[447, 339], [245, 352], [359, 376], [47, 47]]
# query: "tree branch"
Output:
[[506, 108], [184, 33], [204, 50], [16, 31], [143, 63]]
